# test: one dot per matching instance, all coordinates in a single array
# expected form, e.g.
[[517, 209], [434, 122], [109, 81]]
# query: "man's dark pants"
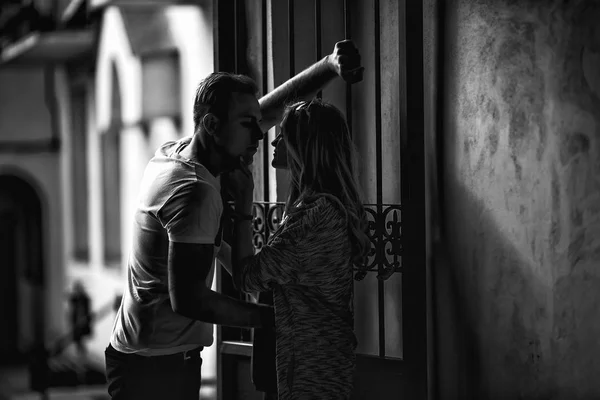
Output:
[[132, 377]]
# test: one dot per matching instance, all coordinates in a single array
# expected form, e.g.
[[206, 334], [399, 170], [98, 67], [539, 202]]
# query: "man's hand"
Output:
[[345, 60]]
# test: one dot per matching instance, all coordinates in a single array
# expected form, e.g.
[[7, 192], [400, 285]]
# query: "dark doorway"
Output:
[[21, 264]]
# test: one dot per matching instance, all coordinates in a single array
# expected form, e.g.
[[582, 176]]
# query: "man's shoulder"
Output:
[[171, 147], [175, 167], [203, 176], [164, 174]]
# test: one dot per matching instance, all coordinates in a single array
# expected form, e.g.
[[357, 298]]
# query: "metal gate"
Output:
[[385, 115]]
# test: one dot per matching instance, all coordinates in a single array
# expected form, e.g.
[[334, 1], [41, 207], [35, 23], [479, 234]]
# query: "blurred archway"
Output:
[[22, 266]]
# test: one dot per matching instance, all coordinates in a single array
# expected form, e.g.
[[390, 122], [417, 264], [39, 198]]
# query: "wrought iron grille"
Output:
[[385, 220], [385, 233]]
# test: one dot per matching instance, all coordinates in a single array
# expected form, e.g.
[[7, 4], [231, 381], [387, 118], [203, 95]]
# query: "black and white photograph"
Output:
[[300, 199]]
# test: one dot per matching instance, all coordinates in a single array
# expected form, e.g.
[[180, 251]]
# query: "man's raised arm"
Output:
[[344, 62]]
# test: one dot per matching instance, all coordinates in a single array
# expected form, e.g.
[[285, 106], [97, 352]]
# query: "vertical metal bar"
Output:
[[414, 279], [236, 61], [265, 88], [347, 35], [225, 51], [379, 167], [318, 49], [347, 24], [291, 37], [440, 46]]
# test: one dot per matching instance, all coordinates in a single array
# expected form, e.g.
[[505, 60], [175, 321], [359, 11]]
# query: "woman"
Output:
[[308, 262]]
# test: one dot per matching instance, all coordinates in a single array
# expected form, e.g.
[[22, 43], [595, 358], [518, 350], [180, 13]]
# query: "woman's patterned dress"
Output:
[[308, 267]]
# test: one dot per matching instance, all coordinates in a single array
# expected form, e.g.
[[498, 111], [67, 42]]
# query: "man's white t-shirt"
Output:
[[180, 201]]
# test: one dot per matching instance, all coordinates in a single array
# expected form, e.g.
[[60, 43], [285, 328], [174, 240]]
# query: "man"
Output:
[[167, 311], [80, 316]]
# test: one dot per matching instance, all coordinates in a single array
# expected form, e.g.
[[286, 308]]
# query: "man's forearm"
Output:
[[225, 310], [217, 308], [303, 86]]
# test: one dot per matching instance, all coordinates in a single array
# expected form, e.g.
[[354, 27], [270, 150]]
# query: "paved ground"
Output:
[[14, 382], [14, 385]]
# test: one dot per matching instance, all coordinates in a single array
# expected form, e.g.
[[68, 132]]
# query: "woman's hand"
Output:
[[345, 60], [239, 183]]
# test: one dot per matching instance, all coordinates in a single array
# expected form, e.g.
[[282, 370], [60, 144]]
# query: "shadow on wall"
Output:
[[471, 361], [503, 332]]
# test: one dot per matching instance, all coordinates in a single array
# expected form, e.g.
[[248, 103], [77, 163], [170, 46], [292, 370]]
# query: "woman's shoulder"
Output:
[[320, 207]]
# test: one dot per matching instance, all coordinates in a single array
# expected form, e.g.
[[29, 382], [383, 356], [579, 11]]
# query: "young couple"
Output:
[[168, 309]]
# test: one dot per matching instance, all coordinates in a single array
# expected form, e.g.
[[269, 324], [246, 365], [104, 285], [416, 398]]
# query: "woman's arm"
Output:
[[224, 256], [242, 234], [295, 255]]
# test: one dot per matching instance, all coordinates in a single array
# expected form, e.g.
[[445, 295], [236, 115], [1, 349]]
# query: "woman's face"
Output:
[[280, 159]]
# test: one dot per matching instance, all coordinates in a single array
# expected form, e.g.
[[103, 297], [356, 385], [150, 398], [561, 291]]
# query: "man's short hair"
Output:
[[214, 93]]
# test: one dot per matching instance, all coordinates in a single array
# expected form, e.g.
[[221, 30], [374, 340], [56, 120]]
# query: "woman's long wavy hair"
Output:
[[322, 160]]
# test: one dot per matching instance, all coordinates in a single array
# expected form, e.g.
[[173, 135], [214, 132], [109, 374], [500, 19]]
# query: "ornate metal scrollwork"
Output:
[[267, 218], [391, 244], [384, 231]]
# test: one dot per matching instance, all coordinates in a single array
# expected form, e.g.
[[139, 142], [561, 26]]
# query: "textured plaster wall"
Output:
[[521, 173]]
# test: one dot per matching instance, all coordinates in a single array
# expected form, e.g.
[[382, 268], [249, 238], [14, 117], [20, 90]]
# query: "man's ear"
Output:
[[211, 123]]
